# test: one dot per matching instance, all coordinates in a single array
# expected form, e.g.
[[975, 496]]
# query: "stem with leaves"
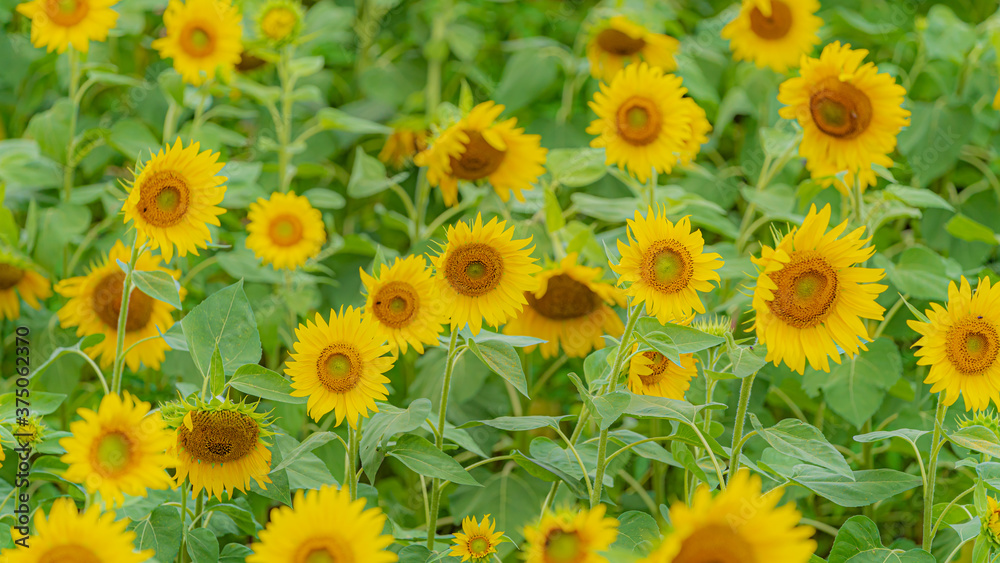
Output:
[[119, 365], [285, 126], [74, 86], [741, 415], [442, 420], [936, 444]]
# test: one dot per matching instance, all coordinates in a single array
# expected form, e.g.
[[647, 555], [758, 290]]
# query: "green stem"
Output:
[[741, 414], [74, 85], [285, 128], [182, 554], [170, 121], [442, 418], [199, 110], [119, 364], [936, 444], [654, 179], [351, 471], [659, 469]]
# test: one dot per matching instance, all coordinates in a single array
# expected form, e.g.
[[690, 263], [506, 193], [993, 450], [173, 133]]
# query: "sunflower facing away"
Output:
[[811, 294], [665, 265], [484, 273], [59, 24], [644, 121], [340, 365], [571, 308], [17, 277], [850, 115], [477, 540], [204, 37], [774, 33], [121, 448], [404, 301], [408, 138], [324, 525], [285, 231], [480, 148], [174, 198], [961, 344], [651, 373], [618, 41], [568, 536]]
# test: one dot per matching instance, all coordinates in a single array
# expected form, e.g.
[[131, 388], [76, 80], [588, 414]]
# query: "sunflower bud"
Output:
[[279, 22]]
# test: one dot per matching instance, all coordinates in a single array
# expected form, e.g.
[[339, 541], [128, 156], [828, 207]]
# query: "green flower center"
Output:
[[112, 454], [562, 547]]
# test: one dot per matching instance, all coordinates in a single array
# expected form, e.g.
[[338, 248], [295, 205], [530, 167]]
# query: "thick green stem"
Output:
[[659, 469], [351, 470], [119, 365], [285, 129], [74, 85], [741, 415], [442, 420], [182, 554], [936, 444]]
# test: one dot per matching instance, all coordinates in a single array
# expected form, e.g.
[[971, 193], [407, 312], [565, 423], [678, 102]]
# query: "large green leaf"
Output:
[[224, 320], [501, 357], [423, 458], [259, 381], [161, 532], [795, 438], [158, 285], [859, 541], [385, 424], [867, 487], [856, 388]]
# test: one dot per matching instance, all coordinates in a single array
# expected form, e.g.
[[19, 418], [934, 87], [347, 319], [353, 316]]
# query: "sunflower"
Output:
[[340, 365], [324, 525], [477, 540], [285, 231], [220, 446], [651, 373], [571, 307], [571, 537], [774, 33], [484, 273], [280, 21], [404, 301], [174, 197], [30, 431], [17, 277], [618, 41], [60, 24], [406, 140], [644, 121], [480, 148], [665, 265], [961, 344], [121, 448], [204, 37], [849, 112], [811, 295], [991, 521]]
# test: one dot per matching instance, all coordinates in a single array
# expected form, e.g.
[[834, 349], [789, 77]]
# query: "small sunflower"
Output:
[[991, 522], [571, 537], [477, 540], [480, 148], [406, 140], [618, 41], [571, 308], [340, 365], [774, 33], [850, 115], [30, 431], [18, 277], [665, 265], [174, 198], [651, 373], [404, 300], [285, 231], [204, 37], [280, 21], [59, 24], [484, 273]]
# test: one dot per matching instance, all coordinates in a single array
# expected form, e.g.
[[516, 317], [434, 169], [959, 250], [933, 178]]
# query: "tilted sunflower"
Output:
[[121, 449], [477, 540], [405, 301], [774, 33], [340, 365], [407, 139], [204, 38], [324, 525], [18, 277], [618, 41], [665, 265], [811, 294], [651, 373], [483, 273], [479, 147], [285, 231], [59, 24], [849, 112], [571, 536], [571, 308], [280, 21], [174, 197]]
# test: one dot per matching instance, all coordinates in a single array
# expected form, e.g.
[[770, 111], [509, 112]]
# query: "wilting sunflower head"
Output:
[[774, 33], [477, 540], [59, 24], [18, 277], [279, 22], [408, 138], [204, 38], [405, 302], [618, 41], [30, 431], [991, 522], [285, 231], [571, 536]]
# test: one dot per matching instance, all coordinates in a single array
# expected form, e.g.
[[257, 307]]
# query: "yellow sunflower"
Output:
[[991, 521], [568, 536], [644, 121], [30, 430], [285, 231], [407, 139], [651, 373], [18, 277], [774, 33], [484, 273], [95, 301], [121, 448], [477, 540], [572, 308], [850, 115], [480, 148], [961, 344], [280, 21], [204, 37], [324, 525], [665, 265], [174, 198], [59, 24], [618, 41], [340, 365], [811, 294], [405, 302]]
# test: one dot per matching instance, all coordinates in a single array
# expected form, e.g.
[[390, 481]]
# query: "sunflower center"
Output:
[[715, 544], [479, 160], [324, 550], [667, 266], [278, 23], [619, 43], [774, 27], [565, 298], [639, 121], [563, 547], [339, 367], [197, 41], [479, 547], [10, 275], [396, 304], [112, 453], [972, 345], [66, 13], [474, 269], [658, 364], [68, 553], [219, 436], [285, 230], [840, 109], [107, 303], [807, 290], [164, 198]]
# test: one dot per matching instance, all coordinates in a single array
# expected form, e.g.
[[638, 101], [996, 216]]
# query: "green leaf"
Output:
[[504, 495], [647, 406], [325, 198], [368, 177], [859, 541], [161, 532], [918, 198], [259, 381], [908, 434], [132, 138], [314, 441], [216, 376], [423, 458], [795, 438], [243, 517], [867, 488], [968, 229], [159, 285], [517, 423], [546, 470], [977, 438], [503, 360], [916, 313], [79, 349], [526, 75], [576, 168], [554, 219], [856, 388], [42, 402], [337, 120], [662, 344], [686, 339], [235, 553], [116, 79], [636, 528], [933, 141], [202, 546], [609, 407], [386, 423], [172, 86], [225, 321], [745, 360], [305, 66], [920, 272]]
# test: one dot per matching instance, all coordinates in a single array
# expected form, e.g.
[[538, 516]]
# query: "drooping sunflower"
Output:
[[849, 112], [651, 373], [405, 301], [477, 540], [571, 536], [961, 344], [618, 41], [774, 33], [571, 308], [665, 265], [407, 139], [220, 446], [204, 38], [280, 21], [59, 24], [18, 277], [479, 147], [484, 273], [174, 197], [120, 448], [811, 294], [285, 231], [324, 525], [95, 301], [340, 365]]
